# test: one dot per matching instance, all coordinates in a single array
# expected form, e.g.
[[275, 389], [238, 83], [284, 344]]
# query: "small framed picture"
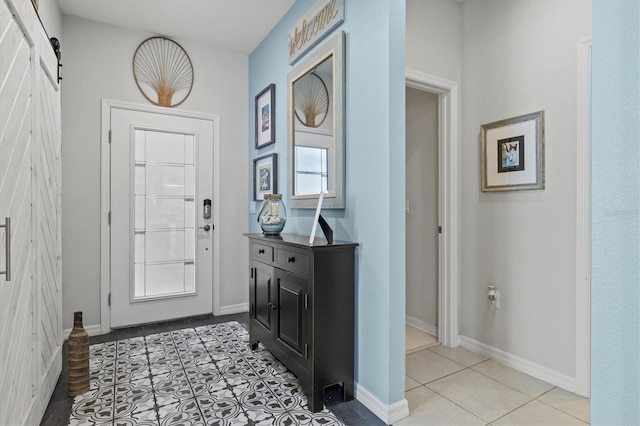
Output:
[[265, 176], [513, 153], [266, 116]]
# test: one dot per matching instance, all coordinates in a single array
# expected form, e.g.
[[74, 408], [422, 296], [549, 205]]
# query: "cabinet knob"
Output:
[[273, 306], [291, 259], [260, 251]]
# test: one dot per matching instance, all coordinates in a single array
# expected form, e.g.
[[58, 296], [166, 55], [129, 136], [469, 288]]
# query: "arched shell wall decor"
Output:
[[163, 71], [311, 100]]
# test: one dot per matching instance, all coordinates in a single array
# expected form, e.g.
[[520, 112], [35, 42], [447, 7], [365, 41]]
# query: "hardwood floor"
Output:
[[60, 405]]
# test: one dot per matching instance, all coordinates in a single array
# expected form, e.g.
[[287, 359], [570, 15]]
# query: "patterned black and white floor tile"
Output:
[[197, 376]]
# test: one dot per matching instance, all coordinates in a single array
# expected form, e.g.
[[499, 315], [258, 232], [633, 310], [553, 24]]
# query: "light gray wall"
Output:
[[422, 196], [434, 37], [51, 18], [519, 56], [97, 65]]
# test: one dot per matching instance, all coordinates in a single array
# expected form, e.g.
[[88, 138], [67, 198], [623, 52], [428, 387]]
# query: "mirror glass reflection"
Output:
[[313, 130]]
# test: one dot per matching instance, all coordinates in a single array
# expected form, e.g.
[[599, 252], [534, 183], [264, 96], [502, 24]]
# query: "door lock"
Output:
[[206, 209]]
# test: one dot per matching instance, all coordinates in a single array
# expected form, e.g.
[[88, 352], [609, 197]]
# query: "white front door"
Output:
[[161, 243]]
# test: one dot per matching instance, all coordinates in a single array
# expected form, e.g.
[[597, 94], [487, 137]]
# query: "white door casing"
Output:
[[30, 194], [583, 222], [161, 254]]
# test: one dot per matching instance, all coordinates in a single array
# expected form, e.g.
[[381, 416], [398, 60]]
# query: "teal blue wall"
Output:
[[375, 174], [615, 312]]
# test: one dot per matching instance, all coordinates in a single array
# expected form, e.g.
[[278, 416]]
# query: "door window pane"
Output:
[[164, 212], [165, 147], [165, 180]]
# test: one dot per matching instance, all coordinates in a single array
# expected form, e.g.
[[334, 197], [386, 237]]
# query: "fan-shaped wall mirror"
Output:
[[316, 127], [163, 71]]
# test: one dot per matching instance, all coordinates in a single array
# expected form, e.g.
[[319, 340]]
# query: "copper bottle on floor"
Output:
[[78, 357]]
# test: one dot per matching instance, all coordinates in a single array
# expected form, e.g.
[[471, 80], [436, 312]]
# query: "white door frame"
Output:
[[449, 199], [583, 222], [105, 202]]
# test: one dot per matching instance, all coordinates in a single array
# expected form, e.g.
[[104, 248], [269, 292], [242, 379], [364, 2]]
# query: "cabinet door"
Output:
[[263, 279], [291, 322]]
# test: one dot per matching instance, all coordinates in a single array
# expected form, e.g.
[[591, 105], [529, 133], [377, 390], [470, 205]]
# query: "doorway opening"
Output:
[[422, 219], [444, 93]]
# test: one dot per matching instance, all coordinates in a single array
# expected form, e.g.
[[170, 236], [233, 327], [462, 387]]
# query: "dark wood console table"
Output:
[[302, 309]]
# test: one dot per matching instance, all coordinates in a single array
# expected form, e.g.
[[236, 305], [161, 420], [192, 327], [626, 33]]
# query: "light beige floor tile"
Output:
[[428, 408], [460, 355], [537, 413], [568, 402], [426, 366], [478, 394], [409, 383], [510, 377], [417, 340]]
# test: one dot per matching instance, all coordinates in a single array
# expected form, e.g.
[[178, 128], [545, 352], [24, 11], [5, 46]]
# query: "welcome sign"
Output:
[[317, 22]]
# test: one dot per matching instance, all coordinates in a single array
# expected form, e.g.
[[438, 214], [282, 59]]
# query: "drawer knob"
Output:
[[260, 251], [291, 259]]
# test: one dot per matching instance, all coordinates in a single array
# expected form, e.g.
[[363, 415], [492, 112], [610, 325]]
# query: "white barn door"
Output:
[[30, 301], [47, 217], [16, 295]]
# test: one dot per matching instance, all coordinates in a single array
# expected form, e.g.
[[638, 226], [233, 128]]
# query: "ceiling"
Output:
[[232, 25]]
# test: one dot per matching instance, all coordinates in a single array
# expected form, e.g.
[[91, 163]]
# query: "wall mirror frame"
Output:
[[315, 118]]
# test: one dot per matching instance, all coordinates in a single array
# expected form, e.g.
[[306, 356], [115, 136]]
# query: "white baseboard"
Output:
[[92, 330], [387, 413], [523, 365], [234, 309], [421, 325]]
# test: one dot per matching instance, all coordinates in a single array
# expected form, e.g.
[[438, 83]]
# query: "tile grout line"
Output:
[[278, 375], [455, 403], [508, 385], [488, 421], [262, 379], [558, 409], [230, 387], [153, 389], [496, 380], [156, 407], [222, 376], [195, 398]]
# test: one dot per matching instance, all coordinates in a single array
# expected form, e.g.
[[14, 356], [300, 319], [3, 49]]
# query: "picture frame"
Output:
[[265, 111], [512, 153], [265, 176]]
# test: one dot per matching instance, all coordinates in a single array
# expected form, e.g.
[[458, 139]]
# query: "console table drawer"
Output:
[[262, 252], [292, 261]]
